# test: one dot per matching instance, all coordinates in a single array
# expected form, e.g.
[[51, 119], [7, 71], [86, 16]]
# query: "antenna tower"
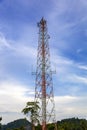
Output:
[[44, 85]]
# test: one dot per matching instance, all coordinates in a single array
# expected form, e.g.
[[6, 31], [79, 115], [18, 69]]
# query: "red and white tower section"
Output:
[[44, 86]]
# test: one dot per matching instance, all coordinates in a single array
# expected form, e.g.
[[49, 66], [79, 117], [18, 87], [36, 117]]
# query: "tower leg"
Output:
[[44, 126]]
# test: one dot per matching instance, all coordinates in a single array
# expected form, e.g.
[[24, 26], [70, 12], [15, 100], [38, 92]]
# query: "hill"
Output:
[[20, 123], [65, 124], [72, 124]]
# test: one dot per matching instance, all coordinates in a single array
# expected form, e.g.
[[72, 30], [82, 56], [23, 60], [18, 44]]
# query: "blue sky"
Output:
[[67, 27]]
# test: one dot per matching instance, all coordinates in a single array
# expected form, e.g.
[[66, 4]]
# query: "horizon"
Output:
[[67, 27], [48, 123]]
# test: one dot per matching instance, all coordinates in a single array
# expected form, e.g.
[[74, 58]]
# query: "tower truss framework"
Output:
[[44, 86]]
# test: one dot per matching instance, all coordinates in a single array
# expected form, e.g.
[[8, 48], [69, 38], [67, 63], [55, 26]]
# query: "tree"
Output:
[[51, 127], [0, 123], [83, 124], [32, 108]]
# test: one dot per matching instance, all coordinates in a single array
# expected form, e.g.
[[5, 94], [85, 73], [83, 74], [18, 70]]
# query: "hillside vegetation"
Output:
[[72, 124], [19, 124], [66, 124]]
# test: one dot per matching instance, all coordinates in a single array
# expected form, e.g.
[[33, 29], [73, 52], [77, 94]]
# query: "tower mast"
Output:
[[44, 86]]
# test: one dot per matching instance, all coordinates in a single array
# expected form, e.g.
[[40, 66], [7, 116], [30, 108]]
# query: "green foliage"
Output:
[[0, 118], [17, 125], [38, 127], [51, 127], [72, 124], [0, 123], [21, 128], [66, 124], [32, 108]]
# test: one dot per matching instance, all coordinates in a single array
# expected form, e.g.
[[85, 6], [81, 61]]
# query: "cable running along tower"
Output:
[[44, 85]]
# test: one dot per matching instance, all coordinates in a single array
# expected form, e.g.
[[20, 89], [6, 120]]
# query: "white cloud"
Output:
[[3, 41], [56, 58], [13, 98], [68, 106], [11, 116], [78, 79], [25, 51], [83, 67], [15, 50], [67, 69], [16, 46]]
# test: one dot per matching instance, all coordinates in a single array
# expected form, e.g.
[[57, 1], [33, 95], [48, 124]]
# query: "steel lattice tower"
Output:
[[44, 85]]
